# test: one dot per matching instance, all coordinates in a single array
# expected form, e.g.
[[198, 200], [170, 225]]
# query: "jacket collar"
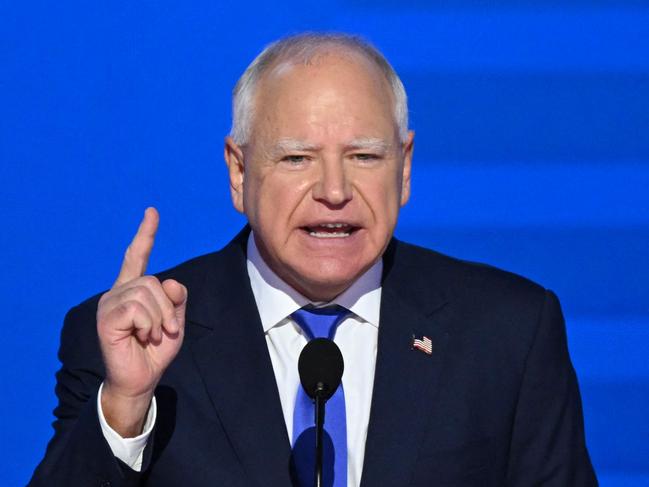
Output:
[[415, 299], [235, 364]]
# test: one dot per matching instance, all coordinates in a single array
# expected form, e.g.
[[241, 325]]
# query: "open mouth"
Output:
[[330, 230]]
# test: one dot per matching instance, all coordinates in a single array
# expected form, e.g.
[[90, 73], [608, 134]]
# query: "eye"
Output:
[[366, 157], [295, 159]]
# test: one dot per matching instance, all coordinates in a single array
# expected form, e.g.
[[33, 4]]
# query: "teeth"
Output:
[[329, 234], [331, 230]]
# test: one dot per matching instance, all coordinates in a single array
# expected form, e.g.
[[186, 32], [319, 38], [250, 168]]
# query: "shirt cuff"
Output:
[[128, 450]]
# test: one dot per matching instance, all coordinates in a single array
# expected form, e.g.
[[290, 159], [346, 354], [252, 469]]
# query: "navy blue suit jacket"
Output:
[[497, 402]]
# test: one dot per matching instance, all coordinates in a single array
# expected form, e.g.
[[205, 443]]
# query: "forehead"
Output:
[[330, 92]]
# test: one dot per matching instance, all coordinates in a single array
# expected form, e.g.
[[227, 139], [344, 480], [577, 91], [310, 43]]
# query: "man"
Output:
[[456, 374]]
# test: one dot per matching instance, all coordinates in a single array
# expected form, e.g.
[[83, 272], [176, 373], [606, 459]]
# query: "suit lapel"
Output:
[[236, 369], [405, 381], [235, 366]]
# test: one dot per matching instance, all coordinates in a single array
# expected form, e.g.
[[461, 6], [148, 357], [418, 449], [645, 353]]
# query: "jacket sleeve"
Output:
[[548, 446], [78, 454]]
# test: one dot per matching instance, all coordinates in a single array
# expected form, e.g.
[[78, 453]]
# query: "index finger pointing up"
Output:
[[137, 254]]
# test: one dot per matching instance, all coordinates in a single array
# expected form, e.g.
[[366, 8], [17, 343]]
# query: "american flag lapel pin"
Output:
[[422, 343]]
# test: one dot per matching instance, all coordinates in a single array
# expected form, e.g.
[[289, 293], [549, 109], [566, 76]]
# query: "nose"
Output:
[[333, 186]]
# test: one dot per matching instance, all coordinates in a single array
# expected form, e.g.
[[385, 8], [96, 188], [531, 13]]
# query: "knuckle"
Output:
[[147, 296], [139, 293], [150, 281], [128, 308]]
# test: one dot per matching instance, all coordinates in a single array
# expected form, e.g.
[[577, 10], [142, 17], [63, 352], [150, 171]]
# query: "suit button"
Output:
[[105, 483]]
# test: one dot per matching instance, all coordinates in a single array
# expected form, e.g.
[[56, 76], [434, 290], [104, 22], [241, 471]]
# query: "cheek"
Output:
[[383, 195], [274, 200]]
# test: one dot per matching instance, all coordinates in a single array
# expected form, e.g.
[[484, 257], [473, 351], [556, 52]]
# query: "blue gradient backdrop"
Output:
[[532, 154]]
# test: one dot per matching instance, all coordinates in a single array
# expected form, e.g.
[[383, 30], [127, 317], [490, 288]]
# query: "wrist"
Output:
[[124, 413]]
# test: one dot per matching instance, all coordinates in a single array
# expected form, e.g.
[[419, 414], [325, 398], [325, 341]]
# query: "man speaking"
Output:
[[455, 373]]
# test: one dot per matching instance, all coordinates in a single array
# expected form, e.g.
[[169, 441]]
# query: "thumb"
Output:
[[177, 294]]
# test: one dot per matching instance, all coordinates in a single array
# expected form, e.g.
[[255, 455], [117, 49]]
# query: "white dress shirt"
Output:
[[356, 337]]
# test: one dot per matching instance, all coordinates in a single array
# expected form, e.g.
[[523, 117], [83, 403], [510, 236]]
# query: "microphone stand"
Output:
[[319, 431]]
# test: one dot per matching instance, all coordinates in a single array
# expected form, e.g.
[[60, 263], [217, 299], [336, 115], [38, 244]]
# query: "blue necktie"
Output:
[[320, 323]]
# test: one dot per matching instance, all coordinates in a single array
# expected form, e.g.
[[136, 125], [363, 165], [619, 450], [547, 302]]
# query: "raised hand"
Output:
[[140, 323]]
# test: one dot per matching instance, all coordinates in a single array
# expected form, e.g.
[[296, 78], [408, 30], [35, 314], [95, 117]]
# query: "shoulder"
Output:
[[203, 275], [480, 287], [492, 308], [191, 273], [79, 334], [429, 264]]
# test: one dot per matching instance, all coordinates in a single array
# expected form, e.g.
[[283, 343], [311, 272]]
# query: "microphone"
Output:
[[321, 368]]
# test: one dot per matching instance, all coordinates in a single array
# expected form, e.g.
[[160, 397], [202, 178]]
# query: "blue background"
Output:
[[532, 153]]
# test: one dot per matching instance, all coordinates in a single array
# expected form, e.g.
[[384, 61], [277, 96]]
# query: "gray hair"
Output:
[[302, 48]]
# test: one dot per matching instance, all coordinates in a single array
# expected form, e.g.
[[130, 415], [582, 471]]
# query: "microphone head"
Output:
[[321, 368]]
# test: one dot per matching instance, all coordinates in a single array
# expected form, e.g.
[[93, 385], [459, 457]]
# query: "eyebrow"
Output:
[[369, 144], [287, 145], [293, 145]]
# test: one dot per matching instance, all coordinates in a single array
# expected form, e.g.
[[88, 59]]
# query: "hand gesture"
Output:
[[140, 323]]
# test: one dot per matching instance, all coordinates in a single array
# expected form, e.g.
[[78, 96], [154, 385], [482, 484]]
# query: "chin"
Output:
[[326, 279]]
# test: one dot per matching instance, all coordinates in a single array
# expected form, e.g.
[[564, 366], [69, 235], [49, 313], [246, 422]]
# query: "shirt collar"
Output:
[[276, 300]]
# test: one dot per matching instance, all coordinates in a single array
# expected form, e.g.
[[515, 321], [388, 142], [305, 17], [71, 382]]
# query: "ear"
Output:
[[408, 148], [234, 160]]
